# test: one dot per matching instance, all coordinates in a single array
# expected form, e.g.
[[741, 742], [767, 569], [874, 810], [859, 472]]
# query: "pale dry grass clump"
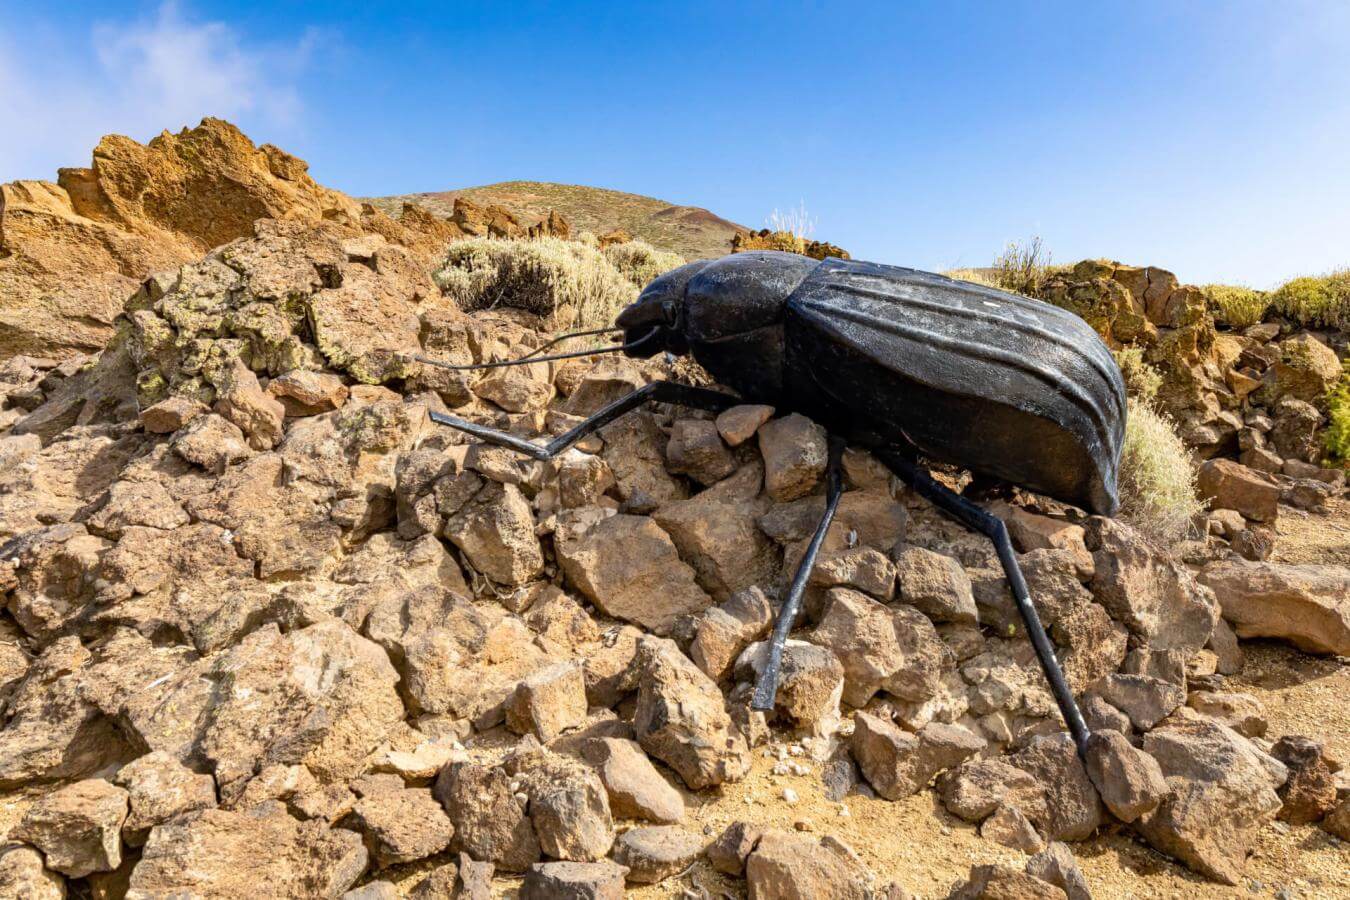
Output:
[[1323, 300], [640, 262], [796, 222], [1235, 305], [974, 276], [569, 280], [1142, 381], [1157, 480]]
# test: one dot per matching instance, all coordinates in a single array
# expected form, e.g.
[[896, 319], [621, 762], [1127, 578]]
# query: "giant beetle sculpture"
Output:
[[902, 362]]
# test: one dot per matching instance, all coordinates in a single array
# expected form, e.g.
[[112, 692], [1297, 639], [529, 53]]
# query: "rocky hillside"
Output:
[[71, 252], [691, 231], [265, 623]]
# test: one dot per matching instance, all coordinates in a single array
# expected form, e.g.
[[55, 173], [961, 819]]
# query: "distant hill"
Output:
[[691, 231]]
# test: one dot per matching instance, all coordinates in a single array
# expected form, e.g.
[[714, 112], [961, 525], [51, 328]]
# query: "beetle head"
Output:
[[655, 322]]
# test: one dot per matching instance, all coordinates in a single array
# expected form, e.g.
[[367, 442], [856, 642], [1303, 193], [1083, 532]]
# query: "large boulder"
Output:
[[1222, 790], [1146, 590], [1307, 605]]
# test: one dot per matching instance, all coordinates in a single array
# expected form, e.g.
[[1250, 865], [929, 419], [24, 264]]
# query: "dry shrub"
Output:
[[1236, 306], [1157, 480], [1323, 300], [1023, 267], [547, 276], [1142, 381], [640, 262]]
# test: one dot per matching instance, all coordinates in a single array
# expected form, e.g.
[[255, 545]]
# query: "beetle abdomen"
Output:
[[1001, 384]]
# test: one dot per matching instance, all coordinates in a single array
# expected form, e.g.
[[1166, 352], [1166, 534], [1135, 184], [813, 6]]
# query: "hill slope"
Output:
[[691, 231]]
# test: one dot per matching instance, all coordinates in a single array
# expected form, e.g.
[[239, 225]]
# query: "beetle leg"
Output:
[[657, 392], [766, 688], [981, 520]]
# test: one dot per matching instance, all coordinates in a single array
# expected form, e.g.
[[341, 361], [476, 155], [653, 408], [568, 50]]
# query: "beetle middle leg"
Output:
[[979, 519], [766, 688], [656, 392]]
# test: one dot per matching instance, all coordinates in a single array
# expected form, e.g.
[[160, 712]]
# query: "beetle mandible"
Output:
[[902, 362]]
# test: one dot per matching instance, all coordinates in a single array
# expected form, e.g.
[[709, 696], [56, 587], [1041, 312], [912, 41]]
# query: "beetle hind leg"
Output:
[[766, 687], [979, 519], [656, 392]]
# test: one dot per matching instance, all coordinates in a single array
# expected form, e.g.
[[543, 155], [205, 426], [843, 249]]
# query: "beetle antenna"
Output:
[[533, 357]]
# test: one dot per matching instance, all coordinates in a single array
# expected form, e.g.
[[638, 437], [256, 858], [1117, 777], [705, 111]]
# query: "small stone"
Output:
[[1129, 781], [402, 825], [167, 416], [789, 866], [1056, 865], [728, 853], [212, 442], [1310, 792], [1011, 828], [548, 702], [1241, 712], [78, 828], [159, 787], [374, 890], [241, 399], [681, 718], [23, 876], [489, 822], [795, 452], [636, 789], [696, 450], [655, 853], [897, 763], [574, 881], [1337, 821], [935, 585], [307, 393], [1002, 883], [1145, 699], [739, 423]]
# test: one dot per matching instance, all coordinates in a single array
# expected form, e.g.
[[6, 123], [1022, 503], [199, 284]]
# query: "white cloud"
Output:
[[138, 78]]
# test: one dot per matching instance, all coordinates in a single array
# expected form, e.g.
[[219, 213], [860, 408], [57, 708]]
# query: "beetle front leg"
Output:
[[657, 392], [979, 519], [766, 688]]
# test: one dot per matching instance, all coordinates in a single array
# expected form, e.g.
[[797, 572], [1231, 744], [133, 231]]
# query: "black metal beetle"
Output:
[[899, 361]]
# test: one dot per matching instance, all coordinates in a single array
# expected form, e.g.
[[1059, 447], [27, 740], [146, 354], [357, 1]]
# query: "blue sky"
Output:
[[1210, 138]]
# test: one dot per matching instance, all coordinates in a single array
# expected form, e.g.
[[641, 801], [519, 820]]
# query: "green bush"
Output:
[[640, 262], [1323, 300], [548, 276], [1235, 305], [1157, 480], [1337, 435], [1142, 381]]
